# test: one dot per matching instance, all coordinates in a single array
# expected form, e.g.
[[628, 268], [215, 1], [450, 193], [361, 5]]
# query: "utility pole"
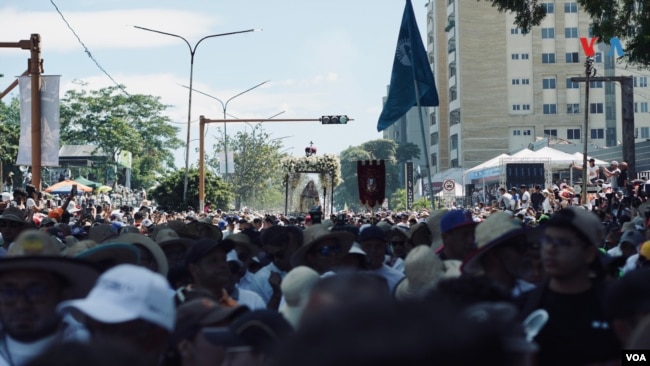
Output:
[[627, 109], [35, 68]]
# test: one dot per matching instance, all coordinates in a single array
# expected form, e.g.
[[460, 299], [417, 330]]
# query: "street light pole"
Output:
[[224, 107], [189, 104]]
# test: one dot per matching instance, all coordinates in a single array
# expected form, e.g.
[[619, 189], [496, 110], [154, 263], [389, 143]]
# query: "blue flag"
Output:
[[410, 64]]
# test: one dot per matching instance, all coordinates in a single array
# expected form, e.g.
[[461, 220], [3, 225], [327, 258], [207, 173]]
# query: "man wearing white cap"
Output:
[[129, 303]]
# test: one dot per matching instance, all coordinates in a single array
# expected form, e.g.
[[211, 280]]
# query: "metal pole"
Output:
[[589, 70], [35, 71], [189, 107], [224, 107], [202, 164]]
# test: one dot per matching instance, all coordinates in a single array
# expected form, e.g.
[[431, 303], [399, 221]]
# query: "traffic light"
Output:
[[334, 120]]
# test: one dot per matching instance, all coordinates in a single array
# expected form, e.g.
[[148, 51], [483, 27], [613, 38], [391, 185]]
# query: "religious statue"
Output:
[[309, 197]]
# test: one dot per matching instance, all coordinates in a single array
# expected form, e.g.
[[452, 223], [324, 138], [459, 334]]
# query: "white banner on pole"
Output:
[[222, 163], [49, 121]]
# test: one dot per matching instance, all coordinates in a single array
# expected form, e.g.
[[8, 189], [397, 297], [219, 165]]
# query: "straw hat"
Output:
[[109, 255], [423, 269], [150, 245], [495, 230], [38, 251], [316, 234]]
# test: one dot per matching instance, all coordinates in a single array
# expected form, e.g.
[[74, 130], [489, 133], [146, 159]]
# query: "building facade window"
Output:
[[571, 32], [596, 108], [572, 84], [550, 108], [597, 133], [570, 7], [550, 132], [514, 56], [525, 107], [524, 56], [548, 33], [572, 57], [525, 81], [527, 132], [548, 58], [514, 30], [640, 81], [434, 159], [434, 138], [573, 134], [515, 81], [516, 107], [596, 84], [454, 142], [573, 108], [516, 132], [549, 7], [548, 83], [645, 132]]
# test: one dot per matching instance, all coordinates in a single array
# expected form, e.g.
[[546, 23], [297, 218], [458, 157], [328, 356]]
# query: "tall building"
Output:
[[501, 89]]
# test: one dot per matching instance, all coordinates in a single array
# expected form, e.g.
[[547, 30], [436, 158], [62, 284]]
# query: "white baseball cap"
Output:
[[127, 292]]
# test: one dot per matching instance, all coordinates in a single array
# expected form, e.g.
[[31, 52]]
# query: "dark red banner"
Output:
[[371, 176]]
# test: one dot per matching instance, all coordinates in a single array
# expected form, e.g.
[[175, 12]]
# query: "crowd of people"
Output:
[[505, 284]]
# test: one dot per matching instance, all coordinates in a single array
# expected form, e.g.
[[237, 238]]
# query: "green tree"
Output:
[[256, 180], [117, 122], [629, 20], [407, 151], [397, 200], [169, 193], [10, 132]]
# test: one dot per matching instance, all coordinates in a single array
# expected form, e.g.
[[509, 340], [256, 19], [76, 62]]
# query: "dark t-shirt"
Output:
[[620, 180], [576, 332], [536, 199]]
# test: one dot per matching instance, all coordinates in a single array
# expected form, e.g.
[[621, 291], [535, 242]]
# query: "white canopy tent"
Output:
[[555, 159]]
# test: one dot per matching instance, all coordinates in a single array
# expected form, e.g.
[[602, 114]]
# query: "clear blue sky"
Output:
[[321, 57]]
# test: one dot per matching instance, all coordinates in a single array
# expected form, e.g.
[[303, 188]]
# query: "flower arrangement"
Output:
[[328, 166]]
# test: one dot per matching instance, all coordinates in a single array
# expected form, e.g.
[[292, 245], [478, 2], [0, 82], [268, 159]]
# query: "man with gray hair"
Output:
[[612, 174]]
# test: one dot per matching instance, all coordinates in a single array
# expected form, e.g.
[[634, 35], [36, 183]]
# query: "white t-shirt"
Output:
[[525, 200]]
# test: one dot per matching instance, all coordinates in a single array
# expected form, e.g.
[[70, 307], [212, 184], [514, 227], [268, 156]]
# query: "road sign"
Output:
[[448, 185]]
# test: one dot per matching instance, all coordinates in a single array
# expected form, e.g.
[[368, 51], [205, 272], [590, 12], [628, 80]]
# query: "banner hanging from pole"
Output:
[[371, 177], [50, 124], [409, 185]]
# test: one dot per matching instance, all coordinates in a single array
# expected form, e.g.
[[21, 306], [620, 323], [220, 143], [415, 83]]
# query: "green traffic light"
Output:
[[343, 120]]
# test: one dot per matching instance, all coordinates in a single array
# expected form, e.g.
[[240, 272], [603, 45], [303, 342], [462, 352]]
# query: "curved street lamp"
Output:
[[224, 107], [189, 104]]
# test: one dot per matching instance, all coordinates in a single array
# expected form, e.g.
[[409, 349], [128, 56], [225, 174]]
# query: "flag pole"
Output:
[[424, 142]]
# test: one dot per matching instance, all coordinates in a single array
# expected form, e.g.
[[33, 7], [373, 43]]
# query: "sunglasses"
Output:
[[34, 294], [556, 242], [328, 250], [11, 224]]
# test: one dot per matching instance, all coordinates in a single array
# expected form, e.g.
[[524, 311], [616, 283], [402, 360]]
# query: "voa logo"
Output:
[[635, 357], [614, 42]]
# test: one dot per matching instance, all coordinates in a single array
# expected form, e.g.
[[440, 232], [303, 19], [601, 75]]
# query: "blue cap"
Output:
[[456, 219]]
